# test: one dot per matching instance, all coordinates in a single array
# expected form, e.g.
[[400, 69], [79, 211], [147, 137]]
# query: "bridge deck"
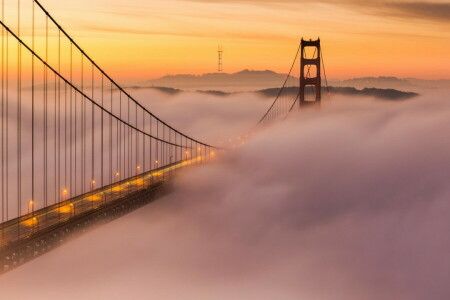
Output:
[[19, 229]]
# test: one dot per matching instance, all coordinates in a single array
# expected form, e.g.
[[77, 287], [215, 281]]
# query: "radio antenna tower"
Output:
[[220, 53]]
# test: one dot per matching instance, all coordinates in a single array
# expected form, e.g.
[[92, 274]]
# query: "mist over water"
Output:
[[210, 118], [351, 202]]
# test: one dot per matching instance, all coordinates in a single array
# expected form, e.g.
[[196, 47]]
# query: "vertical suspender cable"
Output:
[[71, 191], [93, 135], [46, 117], [101, 146], [3, 119], [33, 198], [118, 125], [83, 130], [144, 154], [7, 126], [19, 123], [136, 166], [59, 192], [110, 139], [121, 145]]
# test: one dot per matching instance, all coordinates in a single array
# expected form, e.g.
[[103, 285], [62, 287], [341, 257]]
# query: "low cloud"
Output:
[[428, 10], [189, 33], [349, 203], [425, 10]]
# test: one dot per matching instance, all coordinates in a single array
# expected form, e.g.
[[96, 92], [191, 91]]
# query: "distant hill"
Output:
[[240, 81], [166, 90], [393, 83], [249, 80], [386, 94]]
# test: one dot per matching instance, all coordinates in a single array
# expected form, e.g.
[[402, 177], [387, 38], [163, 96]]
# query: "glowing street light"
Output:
[[31, 206], [92, 188]]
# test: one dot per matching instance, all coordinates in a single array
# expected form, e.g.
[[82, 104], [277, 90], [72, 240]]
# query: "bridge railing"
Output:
[[53, 215]]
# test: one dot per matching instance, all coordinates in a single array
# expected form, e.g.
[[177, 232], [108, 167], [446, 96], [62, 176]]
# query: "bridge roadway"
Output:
[[26, 226]]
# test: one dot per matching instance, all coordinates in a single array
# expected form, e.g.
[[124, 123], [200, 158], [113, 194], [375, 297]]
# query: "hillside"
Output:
[[240, 81]]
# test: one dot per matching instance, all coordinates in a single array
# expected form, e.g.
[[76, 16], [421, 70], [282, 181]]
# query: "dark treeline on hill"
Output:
[[166, 90], [213, 92], [387, 94]]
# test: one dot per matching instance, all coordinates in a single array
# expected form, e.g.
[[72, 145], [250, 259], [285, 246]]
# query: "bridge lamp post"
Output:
[[198, 152], [187, 154], [156, 167], [31, 206], [64, 194], [92, 189]]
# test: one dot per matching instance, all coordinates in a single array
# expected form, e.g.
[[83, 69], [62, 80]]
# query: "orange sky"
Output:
[[143, 39]]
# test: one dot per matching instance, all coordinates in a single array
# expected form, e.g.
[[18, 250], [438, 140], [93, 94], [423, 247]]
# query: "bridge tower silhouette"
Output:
[[305, 78], [294, 88]]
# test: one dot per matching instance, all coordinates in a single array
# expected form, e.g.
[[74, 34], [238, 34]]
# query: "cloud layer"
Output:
[[430, 10], [349, 203]]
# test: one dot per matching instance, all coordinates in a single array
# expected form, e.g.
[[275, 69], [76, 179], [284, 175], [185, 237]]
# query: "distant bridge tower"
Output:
[[220, 53], [312, 65]]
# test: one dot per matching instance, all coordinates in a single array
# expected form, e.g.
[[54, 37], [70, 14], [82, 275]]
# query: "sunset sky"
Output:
[[143, 39]]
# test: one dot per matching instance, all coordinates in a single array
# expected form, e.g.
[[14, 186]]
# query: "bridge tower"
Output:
[[306, 78]]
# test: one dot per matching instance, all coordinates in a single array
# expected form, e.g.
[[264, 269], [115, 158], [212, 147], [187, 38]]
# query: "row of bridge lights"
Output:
[[31, 203]]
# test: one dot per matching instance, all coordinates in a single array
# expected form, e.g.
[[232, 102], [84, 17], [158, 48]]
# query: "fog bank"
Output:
[[351, 202]]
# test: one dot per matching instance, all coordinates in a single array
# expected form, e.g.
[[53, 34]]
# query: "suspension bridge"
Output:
[[76, 148]]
